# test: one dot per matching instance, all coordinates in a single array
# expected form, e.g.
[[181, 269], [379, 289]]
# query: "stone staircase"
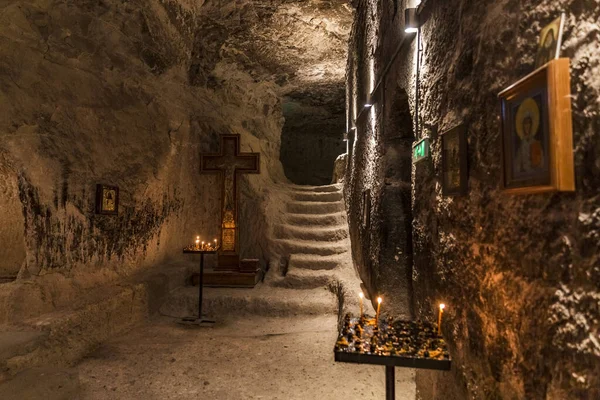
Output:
[[310, 271], [313, 242]]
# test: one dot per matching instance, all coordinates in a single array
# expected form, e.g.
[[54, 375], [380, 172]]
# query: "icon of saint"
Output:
[[109, 200], [530, 153], [547, 50]]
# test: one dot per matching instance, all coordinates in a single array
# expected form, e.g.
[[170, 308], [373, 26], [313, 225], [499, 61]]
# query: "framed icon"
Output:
[[454, 162], [107, 199], [537, 138]]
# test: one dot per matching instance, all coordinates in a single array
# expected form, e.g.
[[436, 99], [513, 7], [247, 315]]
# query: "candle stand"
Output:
[[409, 344], [199, 320]]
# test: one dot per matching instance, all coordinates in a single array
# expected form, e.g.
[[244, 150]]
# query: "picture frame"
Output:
[[550, 42], [536, 131], [455, 179], [107, 199]]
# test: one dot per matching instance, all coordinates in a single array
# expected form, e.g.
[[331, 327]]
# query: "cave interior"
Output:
[[340, 157]]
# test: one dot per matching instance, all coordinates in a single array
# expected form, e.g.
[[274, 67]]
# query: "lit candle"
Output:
[[361, 295], [202, 245], [215, 243], [442, 306], [197, 240], [379, 300]]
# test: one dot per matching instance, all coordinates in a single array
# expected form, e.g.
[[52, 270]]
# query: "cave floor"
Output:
[[248, 357]]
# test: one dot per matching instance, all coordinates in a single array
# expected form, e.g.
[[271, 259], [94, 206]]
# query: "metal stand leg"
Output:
[[390, 383], [200, 286], [199, 321]]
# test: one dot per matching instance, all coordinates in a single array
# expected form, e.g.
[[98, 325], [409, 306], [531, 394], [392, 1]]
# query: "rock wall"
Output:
[[520, 273], [127, 94]]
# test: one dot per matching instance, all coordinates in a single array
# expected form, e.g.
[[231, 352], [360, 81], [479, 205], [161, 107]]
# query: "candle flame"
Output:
[[197, 237], [361, 295], [442, 306], [379, 300]]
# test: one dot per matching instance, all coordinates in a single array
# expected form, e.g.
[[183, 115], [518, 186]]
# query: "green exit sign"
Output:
[[421, 150]]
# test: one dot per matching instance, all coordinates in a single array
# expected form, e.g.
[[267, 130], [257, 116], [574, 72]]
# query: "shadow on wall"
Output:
[[12, 230], [311, 140], [395, 237]]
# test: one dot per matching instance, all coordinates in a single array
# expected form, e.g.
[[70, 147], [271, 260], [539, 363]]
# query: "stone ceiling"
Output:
[[300, 45]]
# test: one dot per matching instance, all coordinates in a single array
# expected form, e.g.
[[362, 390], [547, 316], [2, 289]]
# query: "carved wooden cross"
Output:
[[229, 162]]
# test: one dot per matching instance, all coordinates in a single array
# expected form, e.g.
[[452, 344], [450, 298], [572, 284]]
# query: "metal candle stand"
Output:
[[193, 320], [411, 350]]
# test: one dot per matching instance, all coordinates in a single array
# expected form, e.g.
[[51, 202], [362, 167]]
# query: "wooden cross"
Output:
[[229, 163]]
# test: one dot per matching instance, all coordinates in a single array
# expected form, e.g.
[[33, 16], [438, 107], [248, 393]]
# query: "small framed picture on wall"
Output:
[[454, 162], [550, 41], [537, 138], [107, 199]]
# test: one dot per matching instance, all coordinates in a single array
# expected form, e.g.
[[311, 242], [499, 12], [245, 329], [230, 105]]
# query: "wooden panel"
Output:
[[559, 84]]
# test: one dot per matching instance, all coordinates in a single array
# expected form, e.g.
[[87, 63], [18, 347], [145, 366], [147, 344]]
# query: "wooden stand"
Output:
[[350, 355], [199, 320], [247, 276]]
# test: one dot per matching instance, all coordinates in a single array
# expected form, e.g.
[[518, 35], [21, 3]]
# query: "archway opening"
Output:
[[312, 136]]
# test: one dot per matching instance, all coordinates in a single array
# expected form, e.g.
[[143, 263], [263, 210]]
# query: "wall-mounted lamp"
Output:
[[411, 20]]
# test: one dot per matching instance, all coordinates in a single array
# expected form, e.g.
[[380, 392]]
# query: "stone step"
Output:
[[261, 300], [318, 196], [16, 341], [315, 207], [307, 278], [301, 219], [292, 246], [328, 233], [316, 262], [336, 187], [63, 337]]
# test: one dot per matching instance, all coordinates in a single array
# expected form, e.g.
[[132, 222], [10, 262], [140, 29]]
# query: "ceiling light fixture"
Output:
[[411, 20]]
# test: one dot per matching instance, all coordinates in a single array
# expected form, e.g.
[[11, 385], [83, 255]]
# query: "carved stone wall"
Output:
[[100, 92], [519, 273]]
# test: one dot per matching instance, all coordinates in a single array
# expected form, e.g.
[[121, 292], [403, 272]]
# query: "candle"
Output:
[[361, 295], [442, 306], [215, 243], [197, 240], [379, 300], [202, 245]]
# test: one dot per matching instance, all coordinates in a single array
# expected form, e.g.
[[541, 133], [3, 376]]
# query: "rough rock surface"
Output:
[[252, 358], [129, 94], [520, 273]]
